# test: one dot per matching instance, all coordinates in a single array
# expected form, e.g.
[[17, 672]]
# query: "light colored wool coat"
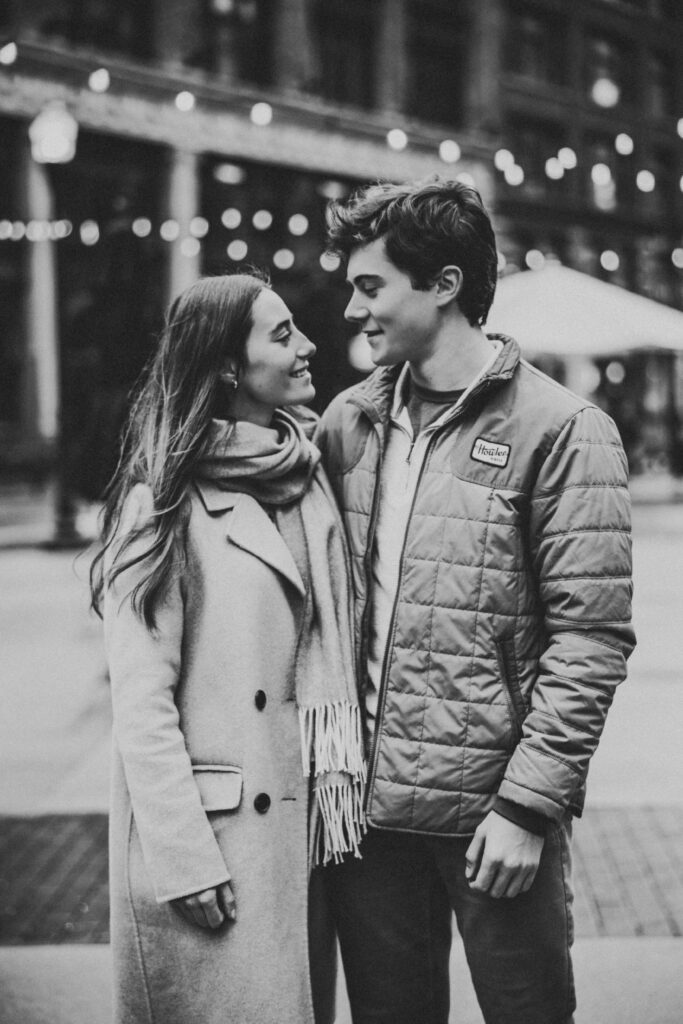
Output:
[[193, 750]]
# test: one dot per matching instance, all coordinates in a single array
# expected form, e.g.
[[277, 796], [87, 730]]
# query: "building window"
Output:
[[125, 27], [534, 44], [537, 170], [608, 72], [237, 40], [439, 53], [345, 35], [662, 81], [273, 218]]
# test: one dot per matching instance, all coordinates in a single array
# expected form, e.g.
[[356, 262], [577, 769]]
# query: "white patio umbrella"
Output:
[[562, 312]]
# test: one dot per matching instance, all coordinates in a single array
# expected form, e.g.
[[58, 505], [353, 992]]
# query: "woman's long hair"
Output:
[[166, 432]]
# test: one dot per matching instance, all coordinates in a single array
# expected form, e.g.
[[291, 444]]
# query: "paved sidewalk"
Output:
[[628, 876]]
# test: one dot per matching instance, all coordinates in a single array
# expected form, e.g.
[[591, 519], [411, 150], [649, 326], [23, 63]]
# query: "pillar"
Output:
[[393, 59], [182, 204], [41, 376]]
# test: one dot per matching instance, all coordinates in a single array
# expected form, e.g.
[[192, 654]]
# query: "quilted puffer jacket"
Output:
[[511, 624]]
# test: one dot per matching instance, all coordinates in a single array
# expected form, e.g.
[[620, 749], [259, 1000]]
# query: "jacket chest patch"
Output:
[[490, 452]]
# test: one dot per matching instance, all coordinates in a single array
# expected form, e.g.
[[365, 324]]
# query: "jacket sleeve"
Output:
[[580, 551], [178, 844]]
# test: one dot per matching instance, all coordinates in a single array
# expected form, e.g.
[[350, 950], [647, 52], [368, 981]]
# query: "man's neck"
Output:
[[458, 355]]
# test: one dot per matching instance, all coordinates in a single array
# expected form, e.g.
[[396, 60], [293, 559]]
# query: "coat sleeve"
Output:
[[580, 549], [178, 844]]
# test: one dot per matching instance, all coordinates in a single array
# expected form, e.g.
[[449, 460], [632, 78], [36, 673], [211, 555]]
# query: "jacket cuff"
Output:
[[530, 820]]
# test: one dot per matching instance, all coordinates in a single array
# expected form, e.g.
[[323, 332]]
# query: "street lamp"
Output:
[[53, 135]]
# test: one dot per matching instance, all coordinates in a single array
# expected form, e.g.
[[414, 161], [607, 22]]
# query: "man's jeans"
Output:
[[393, 912]]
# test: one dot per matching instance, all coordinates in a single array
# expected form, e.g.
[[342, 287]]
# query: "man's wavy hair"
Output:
[[425, 226]]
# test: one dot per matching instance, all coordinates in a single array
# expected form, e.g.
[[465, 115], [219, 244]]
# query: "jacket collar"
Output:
[[375, 395], [251, 529]]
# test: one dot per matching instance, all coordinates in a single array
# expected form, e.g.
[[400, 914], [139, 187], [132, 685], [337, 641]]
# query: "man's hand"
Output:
[[208, 908], [503, 858]]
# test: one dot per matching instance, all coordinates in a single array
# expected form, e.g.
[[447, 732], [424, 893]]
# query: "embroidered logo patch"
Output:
[[491, 452]]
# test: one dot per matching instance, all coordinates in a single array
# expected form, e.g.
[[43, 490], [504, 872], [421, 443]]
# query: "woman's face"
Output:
[[275, 365]]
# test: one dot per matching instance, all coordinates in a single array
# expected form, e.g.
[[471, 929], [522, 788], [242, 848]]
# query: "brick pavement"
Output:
[[628, 876]]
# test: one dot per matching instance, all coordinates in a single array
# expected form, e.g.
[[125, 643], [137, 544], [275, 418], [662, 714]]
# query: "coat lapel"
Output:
[[249, 528]]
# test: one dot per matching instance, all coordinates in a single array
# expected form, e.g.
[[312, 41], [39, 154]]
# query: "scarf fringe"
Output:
[[332, 738], [332, 742], [341, 822]]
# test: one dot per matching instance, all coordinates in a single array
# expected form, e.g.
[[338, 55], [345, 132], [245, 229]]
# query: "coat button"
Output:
[[262, 802], [260, 699]]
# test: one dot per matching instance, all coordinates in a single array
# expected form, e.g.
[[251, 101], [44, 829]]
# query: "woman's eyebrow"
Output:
[[278, 327]]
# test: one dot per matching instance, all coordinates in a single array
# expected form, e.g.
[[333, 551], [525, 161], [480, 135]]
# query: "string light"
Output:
[[8, 54], [141, 227], [397, 139], [185, 101], [99, 80], [615, 372], [623, 144], [503, 159], [169, 230], [283, 259], [534, 259], [609, 260], [502, 262], [298, 224], [679, 127], [237, 249], [567, 157], [262, 220], [605, 93], [89, 232], [18, 230], [231, 218], [199, 227], [645, 180], [449, 151], [5, 230], [38, 231], [261, 114], [330, 262], [554, 168], [601, 175], [514, 175], [677, 258], [229, 174]]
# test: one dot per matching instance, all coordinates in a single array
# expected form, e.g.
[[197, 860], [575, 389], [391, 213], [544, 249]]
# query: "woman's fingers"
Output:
[[227, 898], [201, 908]]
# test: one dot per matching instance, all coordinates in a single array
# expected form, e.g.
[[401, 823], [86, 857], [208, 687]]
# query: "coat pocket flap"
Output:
[[220, 786]]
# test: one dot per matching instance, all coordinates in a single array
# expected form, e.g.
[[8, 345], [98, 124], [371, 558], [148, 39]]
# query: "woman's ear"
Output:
[[448, 285], [229, 379]]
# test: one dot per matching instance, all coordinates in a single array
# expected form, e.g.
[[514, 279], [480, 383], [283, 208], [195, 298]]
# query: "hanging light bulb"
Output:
[[53, 134]]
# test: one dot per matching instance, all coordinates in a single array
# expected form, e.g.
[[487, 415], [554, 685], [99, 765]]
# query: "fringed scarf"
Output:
[[278, 466]]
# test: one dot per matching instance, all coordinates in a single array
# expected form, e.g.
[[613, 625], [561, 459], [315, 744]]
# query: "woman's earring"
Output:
[[230, 380]]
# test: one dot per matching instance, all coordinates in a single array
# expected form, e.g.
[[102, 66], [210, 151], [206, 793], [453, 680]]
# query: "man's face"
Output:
[[399, 321]]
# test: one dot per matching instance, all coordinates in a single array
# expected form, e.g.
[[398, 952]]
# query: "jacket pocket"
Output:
[[507, 663], [219, 785]]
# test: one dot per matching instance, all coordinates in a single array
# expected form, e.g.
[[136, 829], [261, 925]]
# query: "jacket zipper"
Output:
[[515, 700], [374, 753], [367, 560]]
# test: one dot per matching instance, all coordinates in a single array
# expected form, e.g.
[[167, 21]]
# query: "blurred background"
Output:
[[146, 142]]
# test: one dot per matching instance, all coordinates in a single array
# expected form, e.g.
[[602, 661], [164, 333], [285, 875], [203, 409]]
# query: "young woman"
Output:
[[238, 762]]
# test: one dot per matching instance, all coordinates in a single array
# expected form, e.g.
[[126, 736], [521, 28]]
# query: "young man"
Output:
[[488, 517]]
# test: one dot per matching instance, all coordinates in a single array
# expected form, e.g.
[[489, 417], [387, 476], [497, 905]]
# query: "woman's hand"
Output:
[[208, 908]]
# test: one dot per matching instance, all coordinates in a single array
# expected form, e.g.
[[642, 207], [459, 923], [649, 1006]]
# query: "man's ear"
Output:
[[448, 285]]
